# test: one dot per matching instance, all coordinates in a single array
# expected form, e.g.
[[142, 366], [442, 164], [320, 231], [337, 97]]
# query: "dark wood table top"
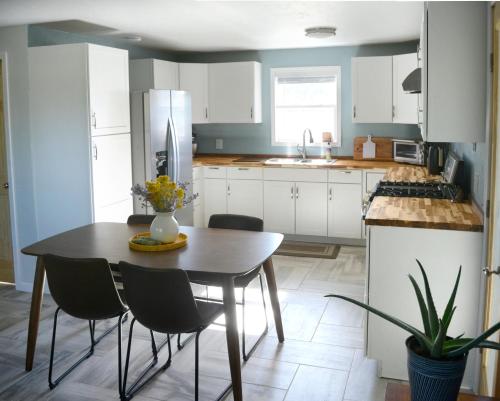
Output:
[[217, 252], [401, 392]]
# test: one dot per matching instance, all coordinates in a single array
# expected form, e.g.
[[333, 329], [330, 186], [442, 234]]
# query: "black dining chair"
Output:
[[84, 289], [248, 223], [162, 301]]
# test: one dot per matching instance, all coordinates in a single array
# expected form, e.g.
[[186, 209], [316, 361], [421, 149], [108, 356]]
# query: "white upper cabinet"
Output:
[[151, 73], [372, 89], [193, 78], [454, 71], [234, 92], [405, 107], [108, 90]]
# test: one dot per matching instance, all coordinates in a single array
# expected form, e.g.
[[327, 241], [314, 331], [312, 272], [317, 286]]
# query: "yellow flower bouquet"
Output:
[[163, 195]]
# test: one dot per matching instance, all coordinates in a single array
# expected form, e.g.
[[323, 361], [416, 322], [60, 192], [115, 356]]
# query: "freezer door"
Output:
[[158, 128]]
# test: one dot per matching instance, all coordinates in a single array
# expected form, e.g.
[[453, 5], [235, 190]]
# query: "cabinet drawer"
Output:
[[345, 176], [197, 173], [214, 172], [295, 174], [244, 173]]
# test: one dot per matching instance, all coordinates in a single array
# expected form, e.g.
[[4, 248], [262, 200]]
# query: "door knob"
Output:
[[5, 185], [488, 272]]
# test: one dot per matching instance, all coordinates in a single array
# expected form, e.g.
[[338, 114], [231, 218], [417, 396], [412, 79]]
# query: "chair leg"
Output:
[[143, 378], [120, 322], [246, 355], [243, 337], [196, 364], [54, 383]]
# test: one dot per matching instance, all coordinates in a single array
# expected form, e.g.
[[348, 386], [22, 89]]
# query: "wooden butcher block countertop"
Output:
[[259, 161], [421, 212]]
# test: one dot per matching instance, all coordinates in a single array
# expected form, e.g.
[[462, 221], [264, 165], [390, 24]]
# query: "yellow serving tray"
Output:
[[178, 243]]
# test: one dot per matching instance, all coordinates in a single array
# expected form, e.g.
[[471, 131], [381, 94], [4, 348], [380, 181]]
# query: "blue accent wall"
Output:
[[256, 138]]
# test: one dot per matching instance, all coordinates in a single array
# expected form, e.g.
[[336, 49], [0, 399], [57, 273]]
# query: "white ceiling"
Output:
[[229, 25]]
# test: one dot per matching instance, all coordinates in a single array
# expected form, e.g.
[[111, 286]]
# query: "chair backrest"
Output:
[[236, 222], [160, 299], [83, 288], [140, 218]]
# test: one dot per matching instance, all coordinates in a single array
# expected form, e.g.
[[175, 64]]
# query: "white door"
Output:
[[108, 90], [214, 197], [310, 208], [6, 266], [372, 89], [165, 74], [234, 92], [279, 207], [193, 78], [405, 107], [245, 197], [344, 210], [112, 177]]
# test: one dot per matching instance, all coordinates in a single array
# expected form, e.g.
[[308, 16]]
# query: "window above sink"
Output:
[[305, 97]]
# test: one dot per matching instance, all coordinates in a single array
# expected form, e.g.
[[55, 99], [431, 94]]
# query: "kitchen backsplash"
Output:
[[256, 138]]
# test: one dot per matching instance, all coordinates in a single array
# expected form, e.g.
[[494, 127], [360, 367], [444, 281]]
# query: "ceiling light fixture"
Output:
[[132, 38], [321, 32]]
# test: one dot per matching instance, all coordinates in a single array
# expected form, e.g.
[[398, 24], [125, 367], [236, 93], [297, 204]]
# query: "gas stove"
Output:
[[433, 190]]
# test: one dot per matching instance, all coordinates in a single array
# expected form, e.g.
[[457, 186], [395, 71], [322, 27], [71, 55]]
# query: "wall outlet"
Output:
[[219, 144]]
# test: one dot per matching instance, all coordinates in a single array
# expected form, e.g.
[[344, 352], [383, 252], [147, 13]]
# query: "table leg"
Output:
[[273, 294], [36, 306], [233, 344]]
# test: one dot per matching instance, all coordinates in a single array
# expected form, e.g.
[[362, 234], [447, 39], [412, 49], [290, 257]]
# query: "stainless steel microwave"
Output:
[[407, 151]]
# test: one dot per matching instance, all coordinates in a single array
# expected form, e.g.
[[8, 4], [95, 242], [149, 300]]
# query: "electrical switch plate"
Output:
[[219, 144]]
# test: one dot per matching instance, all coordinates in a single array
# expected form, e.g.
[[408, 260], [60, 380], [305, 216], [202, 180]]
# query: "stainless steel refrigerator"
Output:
[[161, 142]]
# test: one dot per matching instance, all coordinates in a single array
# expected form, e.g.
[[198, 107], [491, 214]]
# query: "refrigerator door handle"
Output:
[[174, 175]]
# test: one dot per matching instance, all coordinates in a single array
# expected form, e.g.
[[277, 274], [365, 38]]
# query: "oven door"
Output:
[[407, 152]]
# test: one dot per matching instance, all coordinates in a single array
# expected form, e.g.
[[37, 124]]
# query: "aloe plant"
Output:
[[434, 340]]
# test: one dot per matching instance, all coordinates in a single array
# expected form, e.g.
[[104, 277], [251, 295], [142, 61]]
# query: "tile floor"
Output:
[[322, 358]]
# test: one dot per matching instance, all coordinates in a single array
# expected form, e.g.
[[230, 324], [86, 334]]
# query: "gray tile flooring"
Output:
[[322, 358]]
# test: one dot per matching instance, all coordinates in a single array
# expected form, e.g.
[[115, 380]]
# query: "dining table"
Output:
[[214, 256]]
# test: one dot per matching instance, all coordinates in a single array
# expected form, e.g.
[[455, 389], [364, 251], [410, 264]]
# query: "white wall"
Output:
[[14, 44]]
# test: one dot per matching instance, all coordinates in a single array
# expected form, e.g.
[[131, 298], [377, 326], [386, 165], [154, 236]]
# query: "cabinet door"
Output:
[[165, 75], [234, 92], [111, 177], [214, 197], [108, 90], [310, 208], [193, 78], [405, 107], [279, 207], [372, 89], [245, 197], [198, 220], [344, 210], [372, 179]]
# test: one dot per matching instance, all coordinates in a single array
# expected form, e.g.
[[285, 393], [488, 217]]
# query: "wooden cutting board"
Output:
[[383, 149]]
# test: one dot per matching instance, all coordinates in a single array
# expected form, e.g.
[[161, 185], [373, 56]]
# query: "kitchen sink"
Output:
[[298, 161]]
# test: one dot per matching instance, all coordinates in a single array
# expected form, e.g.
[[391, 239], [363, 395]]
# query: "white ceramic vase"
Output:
[[164, 227]]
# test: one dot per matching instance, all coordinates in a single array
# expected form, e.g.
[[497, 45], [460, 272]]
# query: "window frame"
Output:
[[306, 71]]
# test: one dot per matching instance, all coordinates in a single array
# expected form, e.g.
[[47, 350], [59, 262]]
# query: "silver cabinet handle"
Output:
[[347, 172], [331, 193], [291, 192], [243, 168], [94, 147], [354, 111], [393, 111], [206, 113], [213, 168], [488, 272], [251, 112], [228, 189], [93, 121], [297, 192]]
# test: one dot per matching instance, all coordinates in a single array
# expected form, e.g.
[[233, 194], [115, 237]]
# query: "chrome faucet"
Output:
[[302, 151]]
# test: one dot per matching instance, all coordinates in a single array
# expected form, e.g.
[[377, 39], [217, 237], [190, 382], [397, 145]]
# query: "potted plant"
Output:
[[165, 197], [436, 361]]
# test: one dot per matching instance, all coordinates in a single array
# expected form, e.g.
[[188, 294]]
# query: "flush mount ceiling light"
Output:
[[132, 38], [320, 32]]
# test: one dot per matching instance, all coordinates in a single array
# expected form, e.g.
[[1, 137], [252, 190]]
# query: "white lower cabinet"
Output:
[[198, 213], [245, 197], [215, 192], [344, 210], [279, 207], [310, 208]]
